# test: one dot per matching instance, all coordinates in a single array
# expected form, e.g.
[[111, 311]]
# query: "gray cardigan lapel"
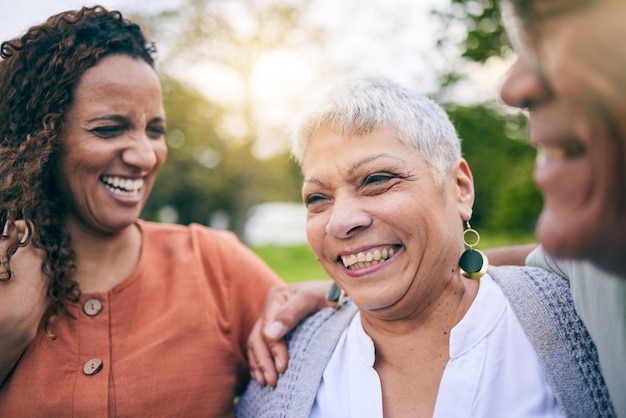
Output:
[[543, 304]]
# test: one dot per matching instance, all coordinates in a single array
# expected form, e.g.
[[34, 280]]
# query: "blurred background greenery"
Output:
[[225, 157]]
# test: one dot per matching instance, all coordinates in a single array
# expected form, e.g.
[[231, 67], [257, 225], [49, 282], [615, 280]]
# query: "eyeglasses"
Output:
[[518, 23], [520, 17]]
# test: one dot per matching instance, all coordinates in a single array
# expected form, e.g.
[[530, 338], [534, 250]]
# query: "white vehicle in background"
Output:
[[276, 223]]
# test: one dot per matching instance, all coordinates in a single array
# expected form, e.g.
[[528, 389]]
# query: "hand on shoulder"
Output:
[[285, 307], [23, 294]]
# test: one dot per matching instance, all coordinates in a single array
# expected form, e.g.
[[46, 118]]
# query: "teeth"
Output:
[[121, 186], [362, 260]]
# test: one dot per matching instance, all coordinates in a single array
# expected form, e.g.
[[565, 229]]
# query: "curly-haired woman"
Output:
[[102, 314]]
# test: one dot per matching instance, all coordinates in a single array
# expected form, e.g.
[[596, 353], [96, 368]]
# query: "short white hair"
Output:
[[365, 104]]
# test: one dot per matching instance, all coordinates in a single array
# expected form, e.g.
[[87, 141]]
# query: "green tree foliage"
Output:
[[501, 161], [482, 35], [202, 173], [188, 182], [214, 31], [281, 179], [210, 167], [494, 141]]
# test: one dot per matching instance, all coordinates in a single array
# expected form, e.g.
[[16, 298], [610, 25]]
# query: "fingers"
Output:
[[266, 360], [15, 234], [23, 232], [259, 357], [287, 305], [7, 249], [263, 366], [280, 355], [277, 297], [23, 298]]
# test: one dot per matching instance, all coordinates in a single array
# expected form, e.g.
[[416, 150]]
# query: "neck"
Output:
[[411, 354], [103, 261], [430, 325]]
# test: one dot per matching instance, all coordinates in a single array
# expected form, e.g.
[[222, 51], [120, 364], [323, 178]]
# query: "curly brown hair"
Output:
[[39, 72]]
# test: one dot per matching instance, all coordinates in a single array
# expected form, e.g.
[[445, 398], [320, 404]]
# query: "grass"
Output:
[[298, 263], [293, 264]]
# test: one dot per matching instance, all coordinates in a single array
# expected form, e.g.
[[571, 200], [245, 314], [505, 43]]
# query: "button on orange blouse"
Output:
[[168, 341], [92, 366], [92, 307]]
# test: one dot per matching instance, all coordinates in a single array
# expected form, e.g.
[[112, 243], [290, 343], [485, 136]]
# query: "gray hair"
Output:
[[365, 104]]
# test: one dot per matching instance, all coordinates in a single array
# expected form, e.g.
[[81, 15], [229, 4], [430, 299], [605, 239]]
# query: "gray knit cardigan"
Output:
[[542, 303]]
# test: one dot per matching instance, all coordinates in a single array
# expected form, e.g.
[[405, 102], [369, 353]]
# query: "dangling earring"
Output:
[[473, 263]]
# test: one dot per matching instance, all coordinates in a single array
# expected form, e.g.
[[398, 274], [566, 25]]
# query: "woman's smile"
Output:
[[126, 188], [363, 259]]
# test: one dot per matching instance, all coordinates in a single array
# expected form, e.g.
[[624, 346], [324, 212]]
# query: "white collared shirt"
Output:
[[493, 370]]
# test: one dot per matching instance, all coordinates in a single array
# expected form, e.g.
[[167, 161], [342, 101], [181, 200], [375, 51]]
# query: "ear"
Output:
[[464, 188]]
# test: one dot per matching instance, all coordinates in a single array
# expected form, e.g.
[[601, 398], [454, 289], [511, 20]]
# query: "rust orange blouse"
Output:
[[168, 341]]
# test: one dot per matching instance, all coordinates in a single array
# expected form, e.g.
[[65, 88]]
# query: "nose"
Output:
[[141, 152], [347, 218], [523, 87]]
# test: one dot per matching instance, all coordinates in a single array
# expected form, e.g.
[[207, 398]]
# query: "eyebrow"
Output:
[[312, 181], [119, 118], [358, 164], [158, 119], [115, 118], [384, 155]]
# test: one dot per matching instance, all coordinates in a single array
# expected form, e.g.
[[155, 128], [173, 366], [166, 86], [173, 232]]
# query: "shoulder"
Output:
[[219, 254], [542, 302], [538, 297], [562, 266], [516, 280], [322, 330], [157, 228], [194, 235], [310, 347]]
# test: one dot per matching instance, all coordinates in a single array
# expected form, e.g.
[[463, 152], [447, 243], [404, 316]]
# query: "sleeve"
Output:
[[539, 258], [244, 279], [252, 279]]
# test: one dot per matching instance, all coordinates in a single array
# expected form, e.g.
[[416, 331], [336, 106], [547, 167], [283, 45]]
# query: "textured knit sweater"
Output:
[[543, 305]]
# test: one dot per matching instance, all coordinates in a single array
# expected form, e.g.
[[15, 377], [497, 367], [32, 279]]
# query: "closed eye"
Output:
[[377, 178], [155, 132], [108, 131], [313, 199], [378, 183]]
